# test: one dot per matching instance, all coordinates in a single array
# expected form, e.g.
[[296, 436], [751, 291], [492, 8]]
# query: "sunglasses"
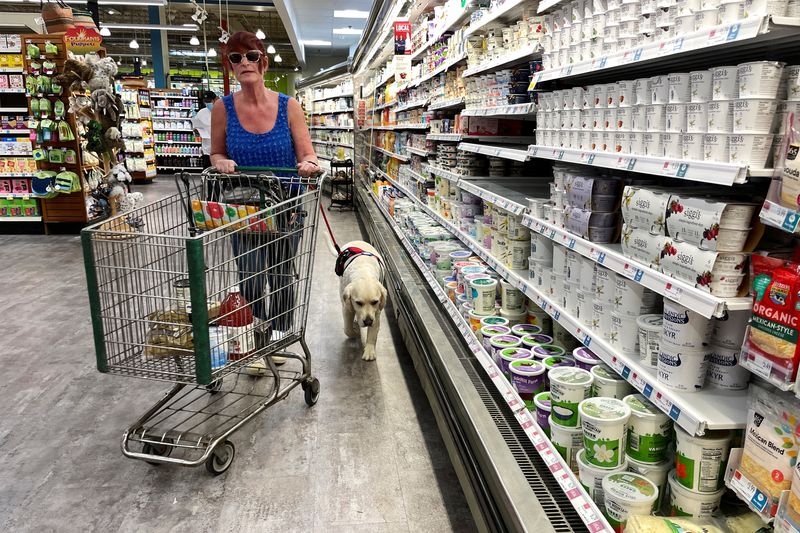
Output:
[[253, 56]]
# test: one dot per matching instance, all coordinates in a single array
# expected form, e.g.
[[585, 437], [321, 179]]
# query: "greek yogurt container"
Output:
[[484, 294], [627, 494], [494, 321], [476, 321], [649, 430], [609, 384], [724, 371], [521, 330], [754, 115], [720, 116], [700, 88], [657, 473], [585, 358], [531, 341], [604, 423], [751, 149], [542, 403], [633, 299], [568, 441], [683, 502], [511, 298], [507, 355], [684, 328], [649, 329], [591, 477], [624, 333], [514, 317], [729, 330], [527, 378], [725, 83], [759, 79], [545, 351], [489, 332], [701, 461], [569, 386], [682, 369]]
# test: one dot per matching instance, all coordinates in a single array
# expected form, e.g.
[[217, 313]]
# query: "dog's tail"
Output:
[[329, 243]]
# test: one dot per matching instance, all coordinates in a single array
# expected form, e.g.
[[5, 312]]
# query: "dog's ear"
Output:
[[347, 293], [384, 295]]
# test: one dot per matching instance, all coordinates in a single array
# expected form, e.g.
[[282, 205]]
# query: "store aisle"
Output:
[[367, 457]]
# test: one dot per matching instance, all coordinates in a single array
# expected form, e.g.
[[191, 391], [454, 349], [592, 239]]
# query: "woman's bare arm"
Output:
[[303, 148], [219, 147]]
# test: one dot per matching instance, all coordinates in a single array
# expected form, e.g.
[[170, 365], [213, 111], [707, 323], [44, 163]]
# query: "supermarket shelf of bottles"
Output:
[[560, 470], [412, 105], [457, 58], [338, 111], [344, 128], [455, 21]]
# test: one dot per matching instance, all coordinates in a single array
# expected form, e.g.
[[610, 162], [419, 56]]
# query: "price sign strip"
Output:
[[568, 482], [503, 60], [495, 151], [512, 109]]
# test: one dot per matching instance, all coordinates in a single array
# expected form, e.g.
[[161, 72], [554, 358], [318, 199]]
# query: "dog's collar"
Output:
[[346, 257]]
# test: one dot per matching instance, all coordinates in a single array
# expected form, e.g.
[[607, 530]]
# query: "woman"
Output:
[[256, 127]]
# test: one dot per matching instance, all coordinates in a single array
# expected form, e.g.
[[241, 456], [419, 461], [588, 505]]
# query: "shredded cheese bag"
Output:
[[657, 524], [771, 443]]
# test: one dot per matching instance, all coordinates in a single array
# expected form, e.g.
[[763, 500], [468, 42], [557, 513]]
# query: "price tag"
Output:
[[677, 46], [745, 488], [632, 272], [571, 244], [626, 372], [647, 390], [638, 381], [556, 315], [779, 216], [664, 403], [672, 292], [759, 365], [587, 340], [534, 150], [552, 234], [560, 155]]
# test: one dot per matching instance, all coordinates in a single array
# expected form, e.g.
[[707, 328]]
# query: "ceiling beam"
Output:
[[289, 22]]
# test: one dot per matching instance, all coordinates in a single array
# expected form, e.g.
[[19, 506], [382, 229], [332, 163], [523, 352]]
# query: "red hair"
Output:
[[243, 42]]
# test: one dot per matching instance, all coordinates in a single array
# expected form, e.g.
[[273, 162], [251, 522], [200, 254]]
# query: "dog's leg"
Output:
[[372, 339], [349, 316]]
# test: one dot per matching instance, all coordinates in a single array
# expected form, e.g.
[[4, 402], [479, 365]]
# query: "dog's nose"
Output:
[[367, 322]]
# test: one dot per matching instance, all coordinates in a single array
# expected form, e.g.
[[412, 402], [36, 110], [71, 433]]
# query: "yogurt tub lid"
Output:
[[557, 361], [476, 275], [644, 468], [586, 356], [602, 372], [483, 282], [569, 375], [448, 279], [451, 284], [504, 341], [525, 367], [641, 407], [525, 329], [480, 316], [537, 339], [514, 353], [542, 400], [543, 351], [650, 322], [604, 410], [586, 465], [491, 331], [677, 488], [460, 254], [631, 487], [461, 264], [473, 269], [493, 320], [773, 63]]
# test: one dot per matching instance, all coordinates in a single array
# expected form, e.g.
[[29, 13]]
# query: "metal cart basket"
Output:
[[164, 281]]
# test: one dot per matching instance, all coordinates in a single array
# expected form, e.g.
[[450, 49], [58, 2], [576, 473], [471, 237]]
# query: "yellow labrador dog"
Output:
[[363, 295]]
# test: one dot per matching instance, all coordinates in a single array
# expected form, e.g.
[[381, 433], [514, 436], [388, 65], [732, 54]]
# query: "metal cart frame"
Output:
[[158, 277], [342, 186]]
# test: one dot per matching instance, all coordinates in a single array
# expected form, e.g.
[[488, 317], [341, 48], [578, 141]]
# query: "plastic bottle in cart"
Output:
[[237, 319]]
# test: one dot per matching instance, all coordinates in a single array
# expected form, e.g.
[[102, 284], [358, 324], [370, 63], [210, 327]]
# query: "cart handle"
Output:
[[267, 169]]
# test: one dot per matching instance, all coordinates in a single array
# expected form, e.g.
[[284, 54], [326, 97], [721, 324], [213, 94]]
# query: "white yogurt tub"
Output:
[[499, 343], [591, 477], [573, 272], [624, 333], [730, 11], [511, 298], [683, 502], [627, 494], [720, 116], [516, 231], [521, 330], [657, 473], [603, 421], [519, 252], [732, 240], [541, 248], [601, 318], [568, 441], [716, 147], [542, 319], [701, 461], [633, 299], [604, 285], [682, 368], [655, 117], [649, 328], [514, 317], [569, 386], [754, 115], [684, 328], [729, 330], [609, 384], [726, 285], [533, 340], [697, 117], [570, 298], [724, 83], [751, 149], [724, 371], [484, 294], [585, 305], [493, 320], [649, 431], [560, 260], [759, 79], [692, 145], [679, 91], [700, 89]]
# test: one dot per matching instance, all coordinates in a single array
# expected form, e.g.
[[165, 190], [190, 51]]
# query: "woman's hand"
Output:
[[307, 169], [226, 166]]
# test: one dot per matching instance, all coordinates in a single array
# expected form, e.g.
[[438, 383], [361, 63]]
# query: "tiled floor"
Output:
[[367, 457]]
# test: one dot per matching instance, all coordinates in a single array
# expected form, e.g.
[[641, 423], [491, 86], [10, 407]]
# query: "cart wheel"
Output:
[[311, 389], [214, 386], [221, 458], [162, 450]]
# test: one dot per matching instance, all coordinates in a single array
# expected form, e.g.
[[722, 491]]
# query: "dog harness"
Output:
[[346, 257]]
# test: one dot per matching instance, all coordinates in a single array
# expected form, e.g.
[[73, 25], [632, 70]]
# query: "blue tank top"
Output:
[[274, 148]]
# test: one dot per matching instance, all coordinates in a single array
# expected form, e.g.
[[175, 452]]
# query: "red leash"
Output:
[[330, 232]]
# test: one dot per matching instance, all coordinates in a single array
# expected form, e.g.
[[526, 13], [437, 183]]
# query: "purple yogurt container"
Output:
[[521, 330], [508, 355], [527, 378], [585, 358], [542, 403], [537, 339]]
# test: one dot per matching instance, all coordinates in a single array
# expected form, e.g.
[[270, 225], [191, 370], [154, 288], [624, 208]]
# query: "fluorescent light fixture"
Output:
[[270, 49], [350, 14], [297, 69], [212, 52], [119, 3], [260, 34], [347, 31], [278, 58], [144, 62], [112, 12], [105, 32], [316, 42], [133, 44], [194, 41], [165, 27]]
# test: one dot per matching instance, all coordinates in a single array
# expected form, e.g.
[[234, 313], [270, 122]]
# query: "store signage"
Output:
[[402, 37], [83, 40]]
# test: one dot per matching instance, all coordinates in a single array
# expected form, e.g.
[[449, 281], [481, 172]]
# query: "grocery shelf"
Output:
[[702, 47], [390, 154], [495, 151], [23, 196], [411, 105], [13, 109], [443, 173], [178, 142], [531, 51], [421, 126], [704, 171], [16, 175], [20, 219], [343, 95], [419, 177], [328, 143], [12, 91], [178, 155], [179, 107], [444, 137], [453, 22], [511, 10], [458, 58], [180, 168], [560, 470], [776, 215], [548, 4], [173, 129], [24, 133], [446, 104], [384, 106], [500, 111], [344, 128], [610, 256], [417, 151], [510, 194], [350, 110], [11, 70]]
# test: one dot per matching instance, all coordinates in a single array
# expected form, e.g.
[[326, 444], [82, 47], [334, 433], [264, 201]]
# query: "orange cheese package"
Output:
[[771, 347]]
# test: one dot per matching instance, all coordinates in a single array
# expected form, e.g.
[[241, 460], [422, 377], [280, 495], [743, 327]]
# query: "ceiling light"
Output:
[[111, 12], [212, 52], [270, 49], [317, 42], [347, 31], [194, 41], [350, 14], [144, 62], [105, 32], [133, 44], [122, 2], [119, 61], [166, 27], [278, 58], [260, 34], [297, 69]]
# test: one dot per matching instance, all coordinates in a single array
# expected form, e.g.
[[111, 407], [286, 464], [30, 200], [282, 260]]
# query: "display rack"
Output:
[[177, 147], [137, 130], [328, 101]]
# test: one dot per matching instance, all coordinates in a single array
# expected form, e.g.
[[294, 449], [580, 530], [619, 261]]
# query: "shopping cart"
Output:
[[164, 280]]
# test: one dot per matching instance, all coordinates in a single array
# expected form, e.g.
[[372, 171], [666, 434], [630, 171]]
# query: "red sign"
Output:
[[402, 37], [83, 40]]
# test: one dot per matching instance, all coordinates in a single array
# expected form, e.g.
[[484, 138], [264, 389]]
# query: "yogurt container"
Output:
[[540, 318], [632, 298], [591, 477], [609, 384], [476, 321], [564, 338], [507, 355], [725, 83], [649, 430], [484, 294], [489, 332], [568, 441], [542, 403], [724, 371], [700, 89], [521, 330], [585, 358], [679, 91], [657, 473], [514, 317], [531, 341], [604, 421], [511, 298], [683, 502], [501, 342], [720, 116], [682, 368], [729, 330], [700, 461], [527, 378], [624, 334], [568, 388], [649, 328], [494, 321], [751, 149], [754, 115], [545, 351], [555, 362], [759, 79], [626, 494], [541, 248], [684, 328]]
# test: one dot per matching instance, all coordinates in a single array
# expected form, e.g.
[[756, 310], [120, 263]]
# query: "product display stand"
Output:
[[177, 148], [341, 184], [140, 158]]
